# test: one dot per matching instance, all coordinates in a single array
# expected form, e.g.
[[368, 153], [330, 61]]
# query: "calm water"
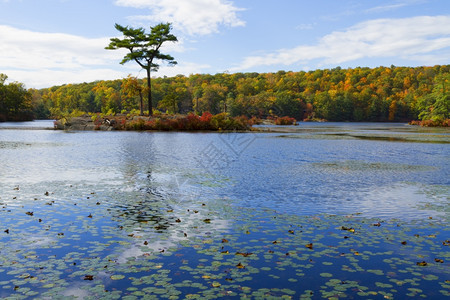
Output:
[[319, 210]]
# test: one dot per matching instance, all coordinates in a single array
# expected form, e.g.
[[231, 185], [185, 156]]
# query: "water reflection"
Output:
[[155, 225], [294, 175], [400, 201]]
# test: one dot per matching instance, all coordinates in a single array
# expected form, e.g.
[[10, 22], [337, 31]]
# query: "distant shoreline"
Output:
[[86, 123]]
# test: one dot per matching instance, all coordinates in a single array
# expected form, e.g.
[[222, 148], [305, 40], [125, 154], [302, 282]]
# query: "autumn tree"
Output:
[[108, 96], [213, 98], [131, 87], [145, 49]]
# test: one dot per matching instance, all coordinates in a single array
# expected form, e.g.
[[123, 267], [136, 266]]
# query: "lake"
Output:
[[319, 210]]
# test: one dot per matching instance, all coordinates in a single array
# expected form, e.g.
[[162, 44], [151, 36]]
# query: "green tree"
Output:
[[287, 105], [144, 48], [436, 106], [170, 101], [15, 101], [3, 106]]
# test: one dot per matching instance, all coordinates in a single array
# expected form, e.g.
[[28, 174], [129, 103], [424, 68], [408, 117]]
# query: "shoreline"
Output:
[[182, 123], [96, 123]]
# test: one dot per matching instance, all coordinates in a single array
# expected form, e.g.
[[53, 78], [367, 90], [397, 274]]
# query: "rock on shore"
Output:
[[84, 122]]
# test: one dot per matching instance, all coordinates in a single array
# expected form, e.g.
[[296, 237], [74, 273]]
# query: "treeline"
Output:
[[15, 101], [359, 94]]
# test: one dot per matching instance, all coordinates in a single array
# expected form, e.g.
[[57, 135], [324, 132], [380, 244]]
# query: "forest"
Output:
[[382, 94], [15, 101]]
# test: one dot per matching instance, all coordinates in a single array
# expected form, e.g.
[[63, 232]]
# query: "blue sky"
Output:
[[52, 42]]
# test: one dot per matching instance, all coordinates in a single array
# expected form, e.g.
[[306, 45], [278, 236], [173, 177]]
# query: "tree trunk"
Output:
[[141, 106], [149, 83]]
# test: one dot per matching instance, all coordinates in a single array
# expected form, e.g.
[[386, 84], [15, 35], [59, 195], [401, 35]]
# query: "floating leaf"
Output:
[[240, 266], [117, 277], [350, 229], [430, 277], [244, 254]]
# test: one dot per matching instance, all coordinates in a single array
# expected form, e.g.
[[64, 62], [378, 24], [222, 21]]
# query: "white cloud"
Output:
[[24, 49], [390, 7], [409, 38], [43, 78], [190, 16], [46, 59], [384, 8]]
